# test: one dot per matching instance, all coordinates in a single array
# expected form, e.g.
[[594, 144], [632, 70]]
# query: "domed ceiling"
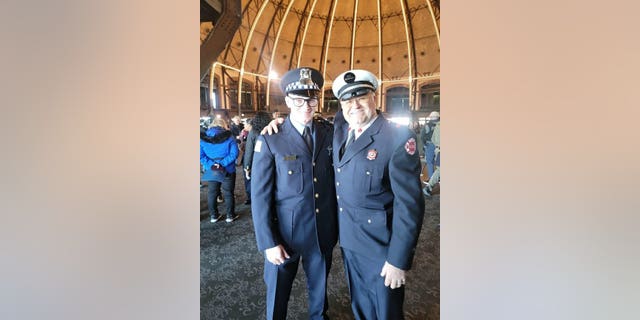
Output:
[[397, 40]]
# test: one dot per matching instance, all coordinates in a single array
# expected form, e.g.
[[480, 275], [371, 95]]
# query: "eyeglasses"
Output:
[[361, 100], [299, 101]]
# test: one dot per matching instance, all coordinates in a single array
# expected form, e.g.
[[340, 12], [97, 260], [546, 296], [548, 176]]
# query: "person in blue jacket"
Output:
[[218, 154], [293, 200]]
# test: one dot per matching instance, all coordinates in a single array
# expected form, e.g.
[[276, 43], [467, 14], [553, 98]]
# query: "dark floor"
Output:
[[231, 285]]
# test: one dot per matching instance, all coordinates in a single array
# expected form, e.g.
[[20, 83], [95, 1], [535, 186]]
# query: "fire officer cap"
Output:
[[301, 81], [354, 83]]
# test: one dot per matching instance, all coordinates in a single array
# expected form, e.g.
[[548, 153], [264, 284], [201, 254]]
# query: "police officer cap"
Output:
[[354, 83], [301, 80]]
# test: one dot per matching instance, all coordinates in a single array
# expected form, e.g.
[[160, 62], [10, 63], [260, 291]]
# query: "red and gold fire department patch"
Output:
[[372, 154], [410, 146]]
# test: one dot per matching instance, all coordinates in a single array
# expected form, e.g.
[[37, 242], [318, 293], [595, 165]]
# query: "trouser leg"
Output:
[[316, 267], [247, 187], [435, 177], [212, 194], [279, 280], [228, 187], [429, 156], [370, 299]]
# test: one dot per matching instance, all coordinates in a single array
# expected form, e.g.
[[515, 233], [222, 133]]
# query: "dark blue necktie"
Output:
[[307, 138], [350, 139]]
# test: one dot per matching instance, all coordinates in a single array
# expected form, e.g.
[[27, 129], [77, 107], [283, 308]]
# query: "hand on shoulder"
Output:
[[272, 127]]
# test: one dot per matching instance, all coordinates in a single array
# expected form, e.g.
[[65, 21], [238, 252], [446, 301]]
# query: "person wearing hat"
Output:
[[380, 203], [293, 202], [425, 135]]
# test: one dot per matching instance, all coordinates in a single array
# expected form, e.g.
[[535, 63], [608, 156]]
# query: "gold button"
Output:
[[315, 179], [317, 195], [290, 172], [317, 210], [369, 220]]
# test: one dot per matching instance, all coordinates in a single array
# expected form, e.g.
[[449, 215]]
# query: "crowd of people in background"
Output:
[[245, 131]]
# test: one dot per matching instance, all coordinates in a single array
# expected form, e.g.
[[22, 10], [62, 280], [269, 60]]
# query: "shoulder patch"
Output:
[[258, 146], [410, 146]]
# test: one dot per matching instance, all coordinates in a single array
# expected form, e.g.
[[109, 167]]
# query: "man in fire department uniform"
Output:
[[293, 200], [380, 203]]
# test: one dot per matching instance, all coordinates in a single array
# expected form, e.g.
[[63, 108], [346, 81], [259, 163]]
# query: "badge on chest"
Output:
[[372, 154]]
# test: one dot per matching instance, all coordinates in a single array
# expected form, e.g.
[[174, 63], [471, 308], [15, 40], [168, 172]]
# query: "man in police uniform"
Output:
[[293, 202], [380, 203]]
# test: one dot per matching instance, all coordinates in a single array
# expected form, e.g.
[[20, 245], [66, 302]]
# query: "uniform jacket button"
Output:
[[317, 210], [290, 172], [338, 169], [317, 195], [369, 220]]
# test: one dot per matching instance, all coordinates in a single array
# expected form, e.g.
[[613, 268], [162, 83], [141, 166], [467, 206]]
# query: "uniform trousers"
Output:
[[279, 280], [370, 299]]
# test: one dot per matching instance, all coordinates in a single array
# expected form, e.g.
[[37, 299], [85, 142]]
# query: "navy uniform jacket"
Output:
[[293, 199], [381, 206]]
